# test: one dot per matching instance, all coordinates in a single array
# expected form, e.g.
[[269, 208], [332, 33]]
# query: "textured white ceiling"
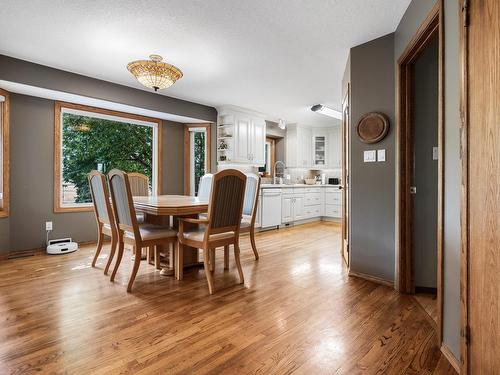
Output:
[[278, 57]]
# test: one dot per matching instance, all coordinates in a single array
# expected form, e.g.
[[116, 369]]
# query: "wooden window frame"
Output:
[[187, 153], [58, 108], [5, 208], [272, 141]]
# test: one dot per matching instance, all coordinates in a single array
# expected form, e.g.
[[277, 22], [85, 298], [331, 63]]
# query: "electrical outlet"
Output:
[[48, 225]]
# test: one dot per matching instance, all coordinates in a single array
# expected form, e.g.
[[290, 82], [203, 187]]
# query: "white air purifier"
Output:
[[61, 246]]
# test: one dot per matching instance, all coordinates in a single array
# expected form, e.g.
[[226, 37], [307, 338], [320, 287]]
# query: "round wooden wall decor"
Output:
[[372, 127]]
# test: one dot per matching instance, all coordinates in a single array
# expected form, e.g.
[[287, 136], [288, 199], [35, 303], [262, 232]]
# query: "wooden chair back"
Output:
[[251, 196], [121, 196], [139, 184], [100, 197], [226, 202], [205, 186]]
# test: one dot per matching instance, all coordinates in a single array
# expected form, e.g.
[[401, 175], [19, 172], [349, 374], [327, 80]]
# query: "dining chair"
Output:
[[106, 225], [205, 186], [221, 227], [129, 231], [139, 184], [250, 205]]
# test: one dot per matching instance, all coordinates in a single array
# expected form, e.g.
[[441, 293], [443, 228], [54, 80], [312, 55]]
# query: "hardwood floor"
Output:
[[428, 301], [298, 312]]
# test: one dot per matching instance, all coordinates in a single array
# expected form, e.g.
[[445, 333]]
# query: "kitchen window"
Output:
[[4, 153], [88, 138]]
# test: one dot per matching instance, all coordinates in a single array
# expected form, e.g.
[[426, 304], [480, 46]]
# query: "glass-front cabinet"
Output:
[[319, 150]]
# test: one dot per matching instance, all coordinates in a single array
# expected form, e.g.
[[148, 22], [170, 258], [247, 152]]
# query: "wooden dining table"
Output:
[[166, 210]]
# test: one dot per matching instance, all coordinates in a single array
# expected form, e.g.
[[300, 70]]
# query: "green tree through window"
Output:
[[199, 158], [93, 143]]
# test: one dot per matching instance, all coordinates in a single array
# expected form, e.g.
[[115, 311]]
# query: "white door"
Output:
[[242, 136], [299, 212], [287, 209], [258, 152]]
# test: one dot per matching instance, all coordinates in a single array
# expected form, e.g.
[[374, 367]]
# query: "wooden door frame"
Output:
[[187, 153], [272, 141], [433, 26], [464, 196], [345, 183]]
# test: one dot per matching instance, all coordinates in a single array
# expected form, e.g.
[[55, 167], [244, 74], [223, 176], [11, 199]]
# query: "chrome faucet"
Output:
[[279, 172]]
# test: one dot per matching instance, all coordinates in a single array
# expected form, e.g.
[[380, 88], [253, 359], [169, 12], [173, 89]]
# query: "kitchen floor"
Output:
[[298, 312]]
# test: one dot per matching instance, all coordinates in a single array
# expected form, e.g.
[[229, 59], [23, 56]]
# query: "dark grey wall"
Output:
[[426, 169], [372, 195], [28, 73], [31, 178], [452, 176], [32, 171], [31, 149]]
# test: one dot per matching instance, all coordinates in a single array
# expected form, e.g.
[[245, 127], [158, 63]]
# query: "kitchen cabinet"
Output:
[[334, 154], [319, 150], [241, 137], [298, 147], [333, 202], [292, 207]]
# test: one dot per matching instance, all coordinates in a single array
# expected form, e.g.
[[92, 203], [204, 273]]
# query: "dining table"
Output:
[[166, 210]]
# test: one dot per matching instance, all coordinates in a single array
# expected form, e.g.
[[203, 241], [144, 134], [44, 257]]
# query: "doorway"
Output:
[[420, 167], [196, 155]]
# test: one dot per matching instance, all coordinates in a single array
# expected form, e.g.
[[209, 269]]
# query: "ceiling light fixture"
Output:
[[281, 124], [320, 108], [154, 73]]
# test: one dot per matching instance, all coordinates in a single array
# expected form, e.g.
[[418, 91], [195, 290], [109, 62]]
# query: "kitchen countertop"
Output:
[[268, 186]]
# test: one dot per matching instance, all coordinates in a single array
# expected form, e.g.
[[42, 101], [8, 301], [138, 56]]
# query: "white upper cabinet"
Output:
[[241, 137], [258, 137], [334, 155], [320, 150], [298, 147]]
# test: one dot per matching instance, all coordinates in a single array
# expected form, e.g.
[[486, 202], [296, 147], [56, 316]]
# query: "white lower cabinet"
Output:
[[287, 205]]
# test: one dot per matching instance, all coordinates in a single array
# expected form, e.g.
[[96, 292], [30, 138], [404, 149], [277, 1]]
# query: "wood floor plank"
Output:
[[298, 312]]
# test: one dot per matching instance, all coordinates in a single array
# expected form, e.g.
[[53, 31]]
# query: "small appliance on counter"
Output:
[[334, 181]]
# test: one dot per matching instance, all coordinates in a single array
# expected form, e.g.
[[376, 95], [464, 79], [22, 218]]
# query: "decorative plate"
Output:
[[372, 127]]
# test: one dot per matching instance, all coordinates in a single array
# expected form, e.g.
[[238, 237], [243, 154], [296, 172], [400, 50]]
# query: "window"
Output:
[[4, 153], [197, 156], [88, 138]]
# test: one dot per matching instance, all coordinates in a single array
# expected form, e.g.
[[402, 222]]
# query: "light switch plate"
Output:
[[380, 155], [48, 225], [435, 153], [369, 156]]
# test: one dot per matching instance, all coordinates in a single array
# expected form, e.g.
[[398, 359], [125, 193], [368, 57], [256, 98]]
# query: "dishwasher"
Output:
[[271, 207]]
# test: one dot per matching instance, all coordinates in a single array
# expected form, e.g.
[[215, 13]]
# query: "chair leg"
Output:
[[252, 241], [206, 265], [157, 257], [149, 254], [212, 260], [179, 261], [226, 257], [100, 241], [114, 241], [135, 268], [238, 263], [119, 256]]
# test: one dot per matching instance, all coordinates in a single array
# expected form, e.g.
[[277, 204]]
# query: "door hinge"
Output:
[[466, 334], [465, 11]]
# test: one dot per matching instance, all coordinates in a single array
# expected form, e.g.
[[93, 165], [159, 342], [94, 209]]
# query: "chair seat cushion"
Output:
[[153, 232], [199, 233]]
